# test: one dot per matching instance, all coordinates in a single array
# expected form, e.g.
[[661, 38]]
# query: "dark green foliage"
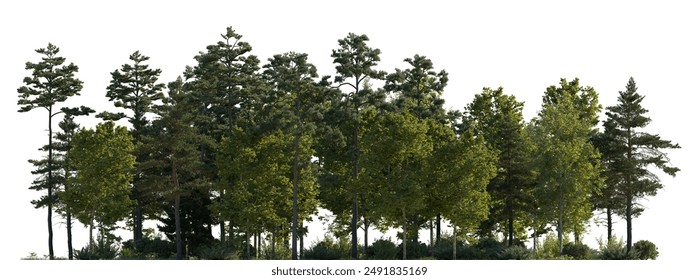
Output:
[[646, 250], [329, 249], [148, 248], [444, 249], [383, 249], [105, 249], [578, 251], [415, 250], [217, 251], [516, 252], [488, 249]]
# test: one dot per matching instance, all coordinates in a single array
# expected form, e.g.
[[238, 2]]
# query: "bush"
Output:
[[329, 249], [515, 252], [151, 248], [614, 249], [383, 249], [488, 249], [103, 250], [443, 249], [578, 251], [415, 251], [646, 250], [217, 251]]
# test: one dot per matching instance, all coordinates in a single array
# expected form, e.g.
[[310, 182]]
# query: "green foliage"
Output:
[[646, 250], [329, 249], [105, 249], [219, 251], [488, 249], [614, 249], [383, 249], [414, 250], [516, 252], [148, 248], [578, 251], [104, 164]]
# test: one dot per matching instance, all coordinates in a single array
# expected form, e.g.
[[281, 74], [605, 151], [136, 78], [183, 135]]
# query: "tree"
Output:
[[568, 164], [631, 151], [134, 87], [354, 64], [299, 106], [419, 88], [173, 159], [63, 145], [226, 87], [104, 164], [498, 118], [51, 83]]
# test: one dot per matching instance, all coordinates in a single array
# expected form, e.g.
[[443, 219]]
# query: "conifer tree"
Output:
[[630, 154], [135, 88], [50, 84]]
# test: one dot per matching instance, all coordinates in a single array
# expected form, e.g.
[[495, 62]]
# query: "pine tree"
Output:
[[354, 64], [631, 151], [51, 83], [134, 87], [498, 118]]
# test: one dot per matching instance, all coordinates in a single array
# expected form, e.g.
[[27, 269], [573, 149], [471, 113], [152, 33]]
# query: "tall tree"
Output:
[[300, 101], [225, 84], [51, 83], [419, 88], [173, 148], [498, 118], [632, 151], [355, 61], [135, 88], [568, 164], [63, 145], [105, 164]]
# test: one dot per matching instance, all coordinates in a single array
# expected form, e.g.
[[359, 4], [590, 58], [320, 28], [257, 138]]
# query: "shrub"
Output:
[[515, 252], [488, 249], [614, 249], [150, 248], [383, 249], [578, 251], [444, 249], [329, 249], [217, 251], [646, 250], [104, 249], [415, 250]]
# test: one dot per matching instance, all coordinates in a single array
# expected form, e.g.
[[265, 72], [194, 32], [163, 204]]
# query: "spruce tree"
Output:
[[631, 152]]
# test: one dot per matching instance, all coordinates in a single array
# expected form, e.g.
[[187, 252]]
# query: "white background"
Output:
[[523, 46]]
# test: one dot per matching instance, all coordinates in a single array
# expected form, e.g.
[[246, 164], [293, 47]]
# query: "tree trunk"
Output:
[[534, 237], [91, 243], [301, 234], [559, 226], [69, 228], [254, 244], [405, 236], [137, 219], [178, 228], [439, 227], [431, 233], [355, 175], [274, 244], [366, 237], [629, 212], [510, 223], [453, 244], [50, 187], [247, 245], [295, 208], [609, 224]]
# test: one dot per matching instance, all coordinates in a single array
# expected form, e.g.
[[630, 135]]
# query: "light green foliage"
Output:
[[567, 162], [105, 165], [497, 117]]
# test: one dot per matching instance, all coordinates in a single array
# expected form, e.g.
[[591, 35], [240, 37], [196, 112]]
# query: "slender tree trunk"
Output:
[[534, 239], [431, 233], [274, 244], [355, 175], [178, 221], [254, 244], [91, 243], [405, 236], [439, 227], [301, 234], [69, 228], [560, 220], [137, 219], [609, 224], [50, 187], [247, 245], [453, 244], [295, 209], [366, 237], [510, 223], [629, 216]]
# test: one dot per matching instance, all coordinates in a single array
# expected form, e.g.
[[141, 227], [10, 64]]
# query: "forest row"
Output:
[[257, 148]]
